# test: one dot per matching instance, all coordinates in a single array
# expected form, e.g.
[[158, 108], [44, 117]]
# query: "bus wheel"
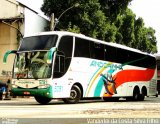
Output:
[[143, 93], [141, 97], [136, 94], [75, 95], [42, 100]]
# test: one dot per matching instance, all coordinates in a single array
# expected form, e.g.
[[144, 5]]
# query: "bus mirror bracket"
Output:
[[50, 54], [7, 54]]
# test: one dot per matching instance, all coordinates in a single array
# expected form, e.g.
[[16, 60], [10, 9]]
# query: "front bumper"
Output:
[[44, 92]]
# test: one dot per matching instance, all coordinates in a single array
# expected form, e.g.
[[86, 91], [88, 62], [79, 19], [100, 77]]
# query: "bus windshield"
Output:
[[32, 65], [41, 42]]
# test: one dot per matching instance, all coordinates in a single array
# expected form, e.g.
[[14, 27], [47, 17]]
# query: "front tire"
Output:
[[42, 100], [75, 95]]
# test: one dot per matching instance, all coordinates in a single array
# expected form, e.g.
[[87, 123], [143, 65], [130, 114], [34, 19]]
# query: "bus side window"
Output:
[[99, 51], [110, 53], [60, 63], [81, 48], [64, 55]]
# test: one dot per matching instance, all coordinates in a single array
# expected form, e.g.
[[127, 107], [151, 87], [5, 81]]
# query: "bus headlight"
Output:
[[14, 86], [43, 86]]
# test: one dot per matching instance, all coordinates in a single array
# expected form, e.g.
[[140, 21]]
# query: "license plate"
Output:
[[26, 93]]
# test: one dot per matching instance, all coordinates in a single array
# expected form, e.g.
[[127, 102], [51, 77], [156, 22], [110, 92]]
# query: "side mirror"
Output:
[[7, 54], [50, 54]]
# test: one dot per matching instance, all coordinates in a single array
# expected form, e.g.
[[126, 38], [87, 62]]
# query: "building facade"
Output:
[[16, 19]]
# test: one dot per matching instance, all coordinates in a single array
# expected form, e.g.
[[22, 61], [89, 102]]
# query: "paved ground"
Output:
[[29, 108]]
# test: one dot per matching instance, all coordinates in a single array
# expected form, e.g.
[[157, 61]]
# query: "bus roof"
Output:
[[61, 33]]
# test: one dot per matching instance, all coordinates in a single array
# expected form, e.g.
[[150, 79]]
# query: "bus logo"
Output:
[[109, 82]]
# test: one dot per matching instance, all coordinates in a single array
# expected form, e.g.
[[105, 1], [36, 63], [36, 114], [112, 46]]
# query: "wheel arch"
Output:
[[80, 86]]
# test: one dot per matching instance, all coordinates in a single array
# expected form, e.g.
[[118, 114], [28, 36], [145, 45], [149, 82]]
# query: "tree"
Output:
[[127, 28], [145, 39], [133, 33], [108, 20], [112, 8]]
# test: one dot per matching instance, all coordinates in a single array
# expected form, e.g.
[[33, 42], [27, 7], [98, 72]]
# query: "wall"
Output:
[[10, 8], [32, 23], [8, 36], [8, 41]]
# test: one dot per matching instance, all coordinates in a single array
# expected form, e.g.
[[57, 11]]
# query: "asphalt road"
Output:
[[29, 110]]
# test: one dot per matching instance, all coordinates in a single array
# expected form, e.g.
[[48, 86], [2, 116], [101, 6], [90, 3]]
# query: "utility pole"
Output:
[[52, 25]]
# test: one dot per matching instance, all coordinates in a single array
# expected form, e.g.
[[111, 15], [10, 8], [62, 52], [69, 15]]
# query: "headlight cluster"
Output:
[[14, 86]]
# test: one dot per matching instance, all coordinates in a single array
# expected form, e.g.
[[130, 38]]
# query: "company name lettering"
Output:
[[106, 65], [26, 82]]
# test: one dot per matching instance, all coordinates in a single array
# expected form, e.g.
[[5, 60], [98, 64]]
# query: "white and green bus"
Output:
[[69, 66]]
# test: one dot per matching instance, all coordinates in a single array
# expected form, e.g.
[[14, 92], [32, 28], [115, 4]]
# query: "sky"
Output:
[[34, 4], [149, 10]]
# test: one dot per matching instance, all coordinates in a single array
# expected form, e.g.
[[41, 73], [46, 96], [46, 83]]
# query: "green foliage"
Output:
[[144, 38], [108, 20], [127, 28], [73, 28]]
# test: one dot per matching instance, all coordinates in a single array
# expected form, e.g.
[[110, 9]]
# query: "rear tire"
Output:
[[42, 100], [141, 97], [136, 95], [75, 95]]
